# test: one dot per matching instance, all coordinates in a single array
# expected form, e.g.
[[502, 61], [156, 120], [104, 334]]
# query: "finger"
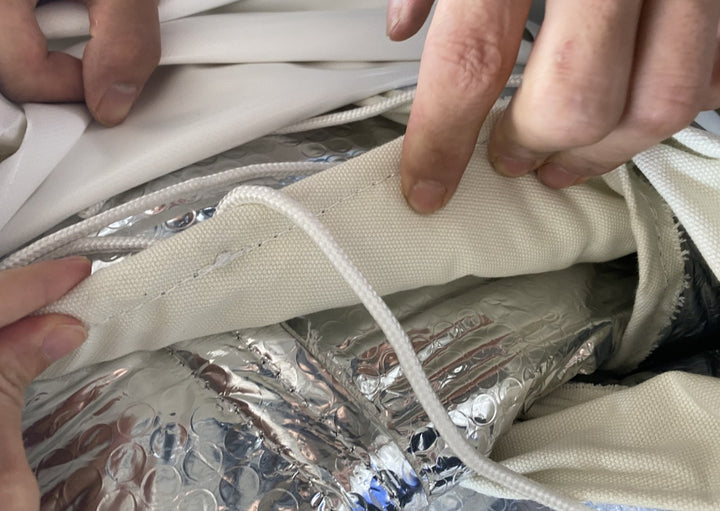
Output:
[[575, 85], [712, 100], [27, 347], [28, 72], [25, 290], [673, 77], [405, 17], [469, 53], [123, 51]]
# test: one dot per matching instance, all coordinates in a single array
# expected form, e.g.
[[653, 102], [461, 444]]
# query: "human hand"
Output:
[[123, 51], [28, 344], [606, 79]]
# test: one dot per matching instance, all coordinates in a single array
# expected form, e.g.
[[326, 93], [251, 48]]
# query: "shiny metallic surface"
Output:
[[315, 414], [490, 348], [333, 144]]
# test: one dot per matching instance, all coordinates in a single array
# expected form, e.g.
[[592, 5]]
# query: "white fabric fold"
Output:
[[12, 127], [246, 267], [690, 183], [652, 446], [349, 35], [70, 19], [51, 130], [185, 114]]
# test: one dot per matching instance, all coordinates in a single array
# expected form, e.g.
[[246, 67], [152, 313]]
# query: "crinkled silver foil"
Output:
[[489, 348], [314, 413], [333, 145]]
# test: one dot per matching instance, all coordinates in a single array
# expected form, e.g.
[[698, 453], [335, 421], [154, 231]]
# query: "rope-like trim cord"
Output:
[[396, 336]]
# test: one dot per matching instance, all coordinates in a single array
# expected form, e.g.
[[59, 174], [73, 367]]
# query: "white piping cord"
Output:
[[354, 115], [113, 245], [396, 336], [56, 240], [366, 112]]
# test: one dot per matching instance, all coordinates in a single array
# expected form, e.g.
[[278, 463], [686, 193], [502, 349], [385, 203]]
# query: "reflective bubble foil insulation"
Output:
[[314, 413]]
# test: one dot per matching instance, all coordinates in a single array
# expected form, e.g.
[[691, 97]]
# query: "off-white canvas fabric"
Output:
[[650, 446], [656, 445], [249, 267]]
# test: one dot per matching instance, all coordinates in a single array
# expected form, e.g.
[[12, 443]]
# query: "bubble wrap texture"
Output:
[[253, 419], [301, 421]]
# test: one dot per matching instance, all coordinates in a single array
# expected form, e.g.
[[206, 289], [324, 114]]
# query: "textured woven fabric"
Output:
[[205, 281], [67, 167], [655, 445], [689, 180]]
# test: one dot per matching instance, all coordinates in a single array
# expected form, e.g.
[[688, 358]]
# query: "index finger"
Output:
[[469, 54]]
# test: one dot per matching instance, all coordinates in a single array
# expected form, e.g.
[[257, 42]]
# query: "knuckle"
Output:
[[573, 123], [473, 62], [569, 113], [665, 111], [20, 88]]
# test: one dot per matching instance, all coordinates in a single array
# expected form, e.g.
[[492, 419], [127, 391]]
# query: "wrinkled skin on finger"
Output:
[[123, 51], [606, 79], [28, 345]]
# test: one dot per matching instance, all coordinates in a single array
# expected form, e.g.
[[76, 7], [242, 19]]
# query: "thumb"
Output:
[[27, 348], [120, 56]]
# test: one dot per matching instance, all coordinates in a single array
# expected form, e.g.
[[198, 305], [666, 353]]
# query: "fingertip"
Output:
[[556, 176], [115, 104], [29, 345], [406, 17], [78, 267], [120, 57], [512, 167], [426, 196], [62, 339], [394, 15], [506, 155]]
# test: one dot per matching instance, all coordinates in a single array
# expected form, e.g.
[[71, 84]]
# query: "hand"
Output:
[[606, 79], [123, 51], [28, 344]]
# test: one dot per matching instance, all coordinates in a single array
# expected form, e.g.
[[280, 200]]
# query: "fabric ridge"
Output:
[[153, 308], [659, 449]]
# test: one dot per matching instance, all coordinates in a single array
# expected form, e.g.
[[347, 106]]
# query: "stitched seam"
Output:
[[223, 260]]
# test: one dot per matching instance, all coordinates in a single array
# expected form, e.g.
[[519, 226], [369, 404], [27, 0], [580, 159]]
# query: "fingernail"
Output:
[[76, 260], [427, 196], [512, 167], [556, 176], [116, 103], [394, 16], [62, 340]]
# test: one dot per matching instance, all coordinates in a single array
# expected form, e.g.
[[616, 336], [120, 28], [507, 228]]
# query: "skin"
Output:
[[123, 51], [606, 79], [28, 345]]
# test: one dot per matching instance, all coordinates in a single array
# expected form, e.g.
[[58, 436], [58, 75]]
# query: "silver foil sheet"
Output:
[[315, 413], [332, 145]]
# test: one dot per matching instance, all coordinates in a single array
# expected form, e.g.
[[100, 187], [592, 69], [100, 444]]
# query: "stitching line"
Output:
[[223, 259]]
